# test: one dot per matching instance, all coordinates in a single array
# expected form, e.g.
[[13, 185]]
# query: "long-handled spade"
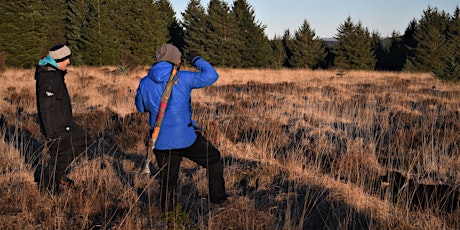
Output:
[[159, 120]]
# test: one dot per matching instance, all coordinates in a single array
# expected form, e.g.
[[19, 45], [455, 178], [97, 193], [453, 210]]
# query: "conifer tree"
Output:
[[77, 13], [194, 23], [451, 69], [288, 45], [409, 39], [307, 50], [254, 49], [2, 58], [278, 53], [396, 53], [147, 30], [380, 50], [430, 37], [354, 47], [175, 31], [54, 13], [222, 41], [100, 43], [113, 32], [389, 52], [22, 33]]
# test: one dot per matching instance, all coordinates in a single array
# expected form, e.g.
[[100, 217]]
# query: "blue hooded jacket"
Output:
[[177, 129]]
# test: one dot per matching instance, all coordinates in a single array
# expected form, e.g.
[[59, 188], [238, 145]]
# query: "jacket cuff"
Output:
[[195, 59]]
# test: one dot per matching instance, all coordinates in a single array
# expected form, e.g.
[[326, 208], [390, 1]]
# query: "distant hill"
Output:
[[330, 42], [329, 39]]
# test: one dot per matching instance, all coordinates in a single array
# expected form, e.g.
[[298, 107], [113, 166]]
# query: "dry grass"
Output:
[[302, 149]]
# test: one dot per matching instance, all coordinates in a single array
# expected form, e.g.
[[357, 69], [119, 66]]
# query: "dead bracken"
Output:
[[302, 150]]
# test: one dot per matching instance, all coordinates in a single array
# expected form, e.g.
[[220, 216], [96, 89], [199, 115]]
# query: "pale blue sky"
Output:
[[325, 16]]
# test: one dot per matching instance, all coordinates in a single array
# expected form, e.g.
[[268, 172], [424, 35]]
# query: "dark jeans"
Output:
[[201, 152], [63, 151]]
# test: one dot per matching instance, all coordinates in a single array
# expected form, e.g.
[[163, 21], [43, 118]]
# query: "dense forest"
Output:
[[125, 33]]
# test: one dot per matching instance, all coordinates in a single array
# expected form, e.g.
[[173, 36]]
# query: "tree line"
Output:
[[127, 33]]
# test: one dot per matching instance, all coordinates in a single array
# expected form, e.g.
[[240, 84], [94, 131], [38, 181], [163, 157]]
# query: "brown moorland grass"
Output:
[[302, 149]]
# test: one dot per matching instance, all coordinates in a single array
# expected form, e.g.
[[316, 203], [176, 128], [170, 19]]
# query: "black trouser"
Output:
[[201, 152], [63, 151]]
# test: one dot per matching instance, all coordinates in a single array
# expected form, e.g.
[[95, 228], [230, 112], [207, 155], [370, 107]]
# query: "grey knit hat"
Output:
[[169, 53], [60, 52]]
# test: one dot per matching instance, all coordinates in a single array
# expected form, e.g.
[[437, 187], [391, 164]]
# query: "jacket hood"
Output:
[[48, 60], [47, 64], [160, 72]]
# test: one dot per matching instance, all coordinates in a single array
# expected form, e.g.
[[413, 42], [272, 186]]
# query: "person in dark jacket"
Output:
[[178, 137], [65, 139]]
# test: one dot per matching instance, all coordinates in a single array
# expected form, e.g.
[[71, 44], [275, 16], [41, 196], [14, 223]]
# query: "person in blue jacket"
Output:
[[178, 137]]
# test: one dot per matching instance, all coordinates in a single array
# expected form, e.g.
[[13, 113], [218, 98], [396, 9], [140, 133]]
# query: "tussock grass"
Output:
[[302, 149]]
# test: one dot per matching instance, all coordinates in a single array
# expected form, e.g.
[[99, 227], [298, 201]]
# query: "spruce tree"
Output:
[[77, 14], [288, 44], [409, 39], [307, 50], [195, 26], [175, 31], [431, 39], [451, 69], [389, 52], [354, 47], [115, 32], [222, 41], [54, 25], [2, 59], [365, 56], [22, 33], [278, 55], [254, 49], [396, 53], [100, 43], [380, 49], [147, 30]]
